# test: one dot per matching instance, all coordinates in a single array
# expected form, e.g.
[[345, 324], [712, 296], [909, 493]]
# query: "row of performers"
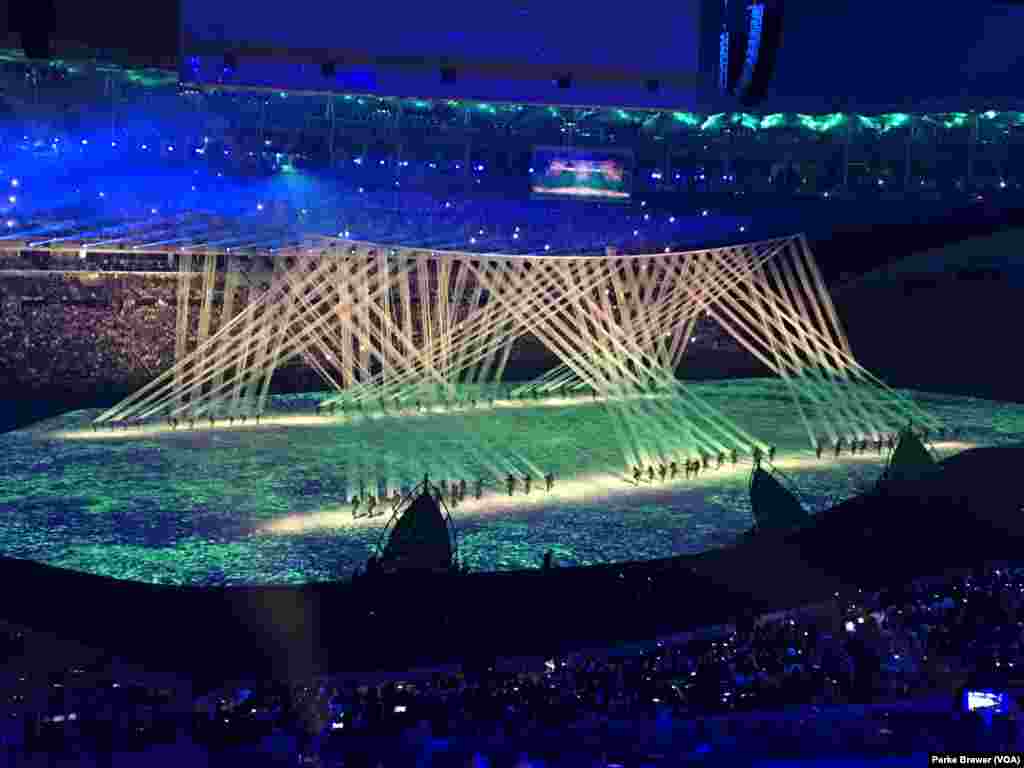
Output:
[[452, 493]]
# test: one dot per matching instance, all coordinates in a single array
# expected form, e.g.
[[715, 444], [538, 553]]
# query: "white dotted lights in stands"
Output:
[[15, 182]]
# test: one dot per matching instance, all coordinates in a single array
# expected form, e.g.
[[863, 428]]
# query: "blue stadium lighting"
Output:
[[547, 247], [701, 177], [643, 203], [382, 162], [360, 190], [655, 175], [826, 195], [1002, 185], [146, 146], [704, 213], [433, 165], [647, 217], [531, 170], [113, 144], [15, 182], [743, 229], [358, 161], [153, 211], [10, 223], [515, 236], [636, 233], [12, 199], [472, 241], [671, 219], [85, 141], [259, 206], [102, 194]]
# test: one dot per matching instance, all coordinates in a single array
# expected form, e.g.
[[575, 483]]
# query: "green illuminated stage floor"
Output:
[[260, 504]]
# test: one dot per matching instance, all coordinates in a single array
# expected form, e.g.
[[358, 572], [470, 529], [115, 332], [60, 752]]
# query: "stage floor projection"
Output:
[[262, 504]]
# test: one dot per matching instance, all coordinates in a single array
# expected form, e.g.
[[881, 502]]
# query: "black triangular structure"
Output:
[[775, 507], [422, 537], [910, 461]]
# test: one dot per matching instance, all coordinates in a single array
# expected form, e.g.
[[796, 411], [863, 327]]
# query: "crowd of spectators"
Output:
[[838, 674], [84, 332]]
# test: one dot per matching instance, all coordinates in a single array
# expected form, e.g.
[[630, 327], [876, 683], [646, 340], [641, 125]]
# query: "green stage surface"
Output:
[[262, 504]]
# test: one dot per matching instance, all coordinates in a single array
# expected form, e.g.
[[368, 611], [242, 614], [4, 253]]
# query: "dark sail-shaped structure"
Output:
[[910, 461], [775, 507], [420, 538]]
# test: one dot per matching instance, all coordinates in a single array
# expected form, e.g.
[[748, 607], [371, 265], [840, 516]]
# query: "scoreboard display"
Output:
[[567, 172]]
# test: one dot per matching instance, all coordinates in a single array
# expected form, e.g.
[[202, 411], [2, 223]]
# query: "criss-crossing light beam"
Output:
[[387, 327]]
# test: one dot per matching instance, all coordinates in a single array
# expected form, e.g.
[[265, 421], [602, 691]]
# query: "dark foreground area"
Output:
[[968, 512]]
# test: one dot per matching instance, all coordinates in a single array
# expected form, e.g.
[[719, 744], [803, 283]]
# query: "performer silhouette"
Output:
[[650, 473], [662, 471], [817, 448], [733, 457], [637, 474], [720, 459], [356, 501], [462, 489], [771, 453], [673, 469], [526, 484], [479, 487], [549, 480], [510, 481]]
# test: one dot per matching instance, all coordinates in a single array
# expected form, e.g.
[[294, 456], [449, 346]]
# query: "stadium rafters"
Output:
[[390, 328]]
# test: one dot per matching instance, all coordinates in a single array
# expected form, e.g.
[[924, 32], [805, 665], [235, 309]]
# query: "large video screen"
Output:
[[594, 174]]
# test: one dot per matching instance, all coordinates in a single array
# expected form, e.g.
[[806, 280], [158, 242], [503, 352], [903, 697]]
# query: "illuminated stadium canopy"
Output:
[[556, 53]]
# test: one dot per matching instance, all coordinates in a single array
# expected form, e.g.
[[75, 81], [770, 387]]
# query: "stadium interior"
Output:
[[520, 387]]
